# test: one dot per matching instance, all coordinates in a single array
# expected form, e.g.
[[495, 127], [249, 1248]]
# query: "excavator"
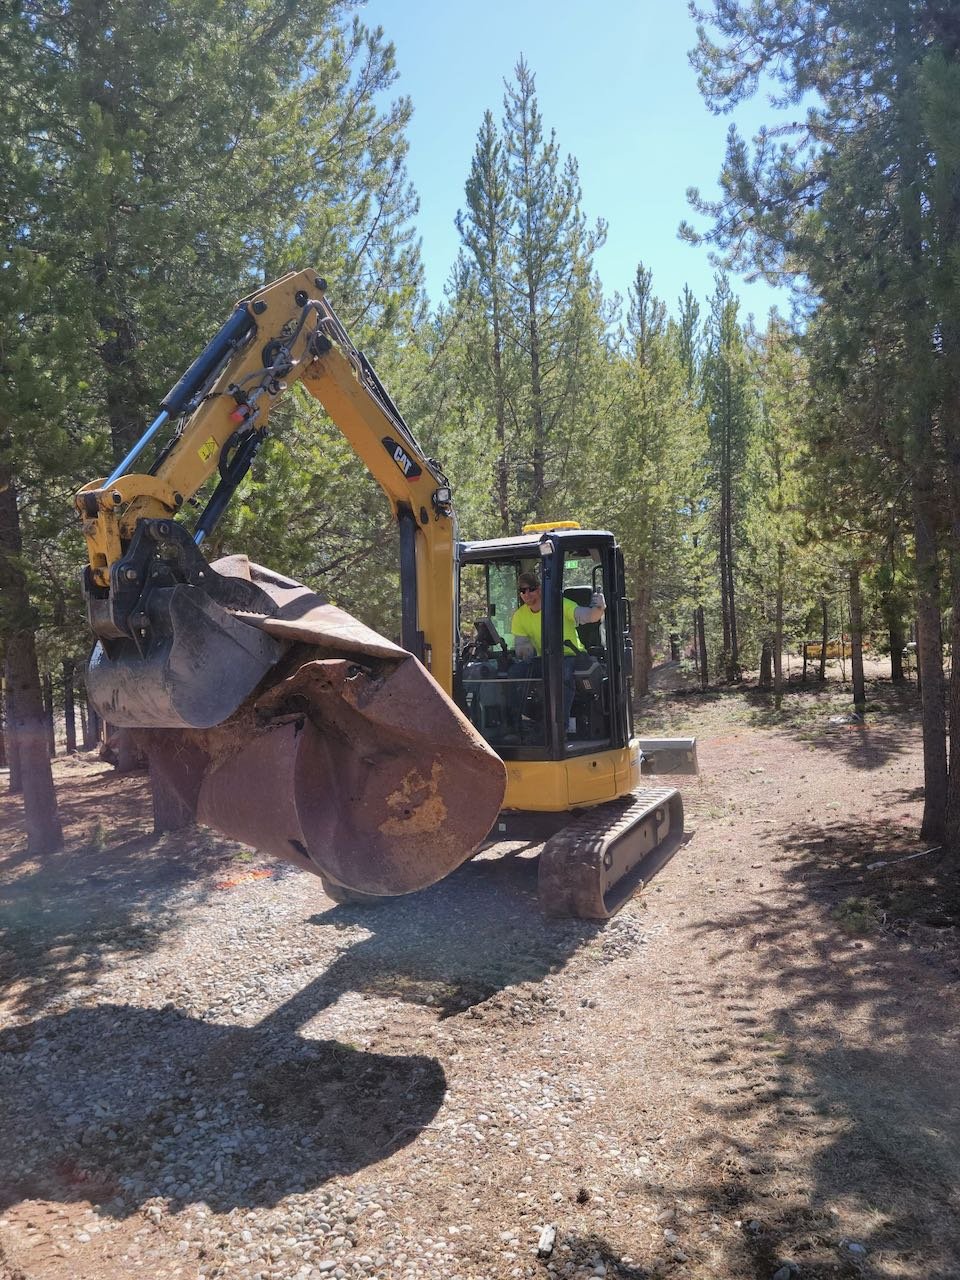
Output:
[[281, 721]]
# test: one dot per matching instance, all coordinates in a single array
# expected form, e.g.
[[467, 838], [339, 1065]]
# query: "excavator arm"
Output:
[[286, 333], [270, 714]]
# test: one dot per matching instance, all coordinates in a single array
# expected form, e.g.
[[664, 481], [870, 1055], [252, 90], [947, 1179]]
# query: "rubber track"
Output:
[[571, 864]]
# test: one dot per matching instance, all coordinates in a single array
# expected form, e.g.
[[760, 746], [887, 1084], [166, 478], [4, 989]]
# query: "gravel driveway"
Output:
[[208, 1069]]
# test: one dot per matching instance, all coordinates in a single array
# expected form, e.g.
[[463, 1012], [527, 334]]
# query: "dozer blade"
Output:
[[347, 759], [669, 755], [592, 867]]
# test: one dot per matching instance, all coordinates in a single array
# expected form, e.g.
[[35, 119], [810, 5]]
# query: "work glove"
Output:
[[597, 601]]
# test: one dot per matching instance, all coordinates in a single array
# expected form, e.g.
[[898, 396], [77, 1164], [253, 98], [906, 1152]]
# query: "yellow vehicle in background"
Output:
[[281, 721]]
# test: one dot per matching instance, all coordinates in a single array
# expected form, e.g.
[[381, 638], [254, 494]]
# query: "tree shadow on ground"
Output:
[[111, 893], [593, 1254], [869, 745], [811, 713], [838, 1040], [65, 918], [177, 1108], [95, 803]]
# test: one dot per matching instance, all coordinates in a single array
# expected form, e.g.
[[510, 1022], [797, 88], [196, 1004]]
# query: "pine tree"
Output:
[[861, 200], [525, 329], [554, 307], [773, 520], [645, 453], [142, 200], [484, 274], [730, 420]]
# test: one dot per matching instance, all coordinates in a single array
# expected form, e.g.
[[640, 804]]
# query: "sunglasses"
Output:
[[526, 591]]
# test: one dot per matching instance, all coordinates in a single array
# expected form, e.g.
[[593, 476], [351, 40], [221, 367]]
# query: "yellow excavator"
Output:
[[283, 722]]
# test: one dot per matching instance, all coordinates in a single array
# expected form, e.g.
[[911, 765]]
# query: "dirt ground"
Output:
[[208, 1069]]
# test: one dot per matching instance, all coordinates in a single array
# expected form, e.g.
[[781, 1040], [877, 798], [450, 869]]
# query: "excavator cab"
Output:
[[560, 716], [574, 696]]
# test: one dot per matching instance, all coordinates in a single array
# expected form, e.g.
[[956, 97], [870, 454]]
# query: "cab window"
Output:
[[501, 693]]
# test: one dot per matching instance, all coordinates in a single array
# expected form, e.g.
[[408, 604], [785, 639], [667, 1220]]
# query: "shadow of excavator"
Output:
[[458, 944], [172, 1106], [119, 1105]]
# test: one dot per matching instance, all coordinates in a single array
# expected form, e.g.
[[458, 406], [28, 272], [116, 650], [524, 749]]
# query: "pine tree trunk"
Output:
[[44, 833], [169, 781], [84, 722], [856, 644], [950, 426], [953, 776], [90, 721], [778, 629], [893, 617], [3, 724], [118, 354], [69, 708], [500, 414], [124, 748], [15, 782], [731, 642], [952, 436], [824, 634], [702, 646], [930, 663], [731, 648], [919, 349], [766, 665], [722, 564], [48, 712], [898, 640], [538, 495], [734, 672], [641, 641]]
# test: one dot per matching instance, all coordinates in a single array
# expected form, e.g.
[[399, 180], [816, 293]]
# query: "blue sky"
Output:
[[613, 81]]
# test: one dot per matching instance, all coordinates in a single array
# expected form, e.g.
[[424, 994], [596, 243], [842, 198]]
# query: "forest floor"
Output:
[[208, 1069]]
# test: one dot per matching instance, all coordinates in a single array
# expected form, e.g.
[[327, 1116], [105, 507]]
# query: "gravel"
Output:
[[209, 1070], [252, 1082]]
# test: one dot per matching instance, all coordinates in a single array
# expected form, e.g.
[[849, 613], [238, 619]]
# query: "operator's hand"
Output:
[[524, 649], [597, 601]]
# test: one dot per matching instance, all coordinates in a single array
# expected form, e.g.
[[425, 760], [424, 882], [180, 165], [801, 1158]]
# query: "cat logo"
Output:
[[403, 460]]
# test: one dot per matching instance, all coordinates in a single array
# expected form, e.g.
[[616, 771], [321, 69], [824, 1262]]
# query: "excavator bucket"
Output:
[[346, 758], [201, 665]]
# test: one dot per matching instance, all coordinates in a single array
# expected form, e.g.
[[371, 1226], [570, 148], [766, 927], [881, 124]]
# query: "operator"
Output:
[[527, 621], [527, 628]]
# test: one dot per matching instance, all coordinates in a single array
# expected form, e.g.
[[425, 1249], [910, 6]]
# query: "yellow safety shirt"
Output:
[[527, 623]]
